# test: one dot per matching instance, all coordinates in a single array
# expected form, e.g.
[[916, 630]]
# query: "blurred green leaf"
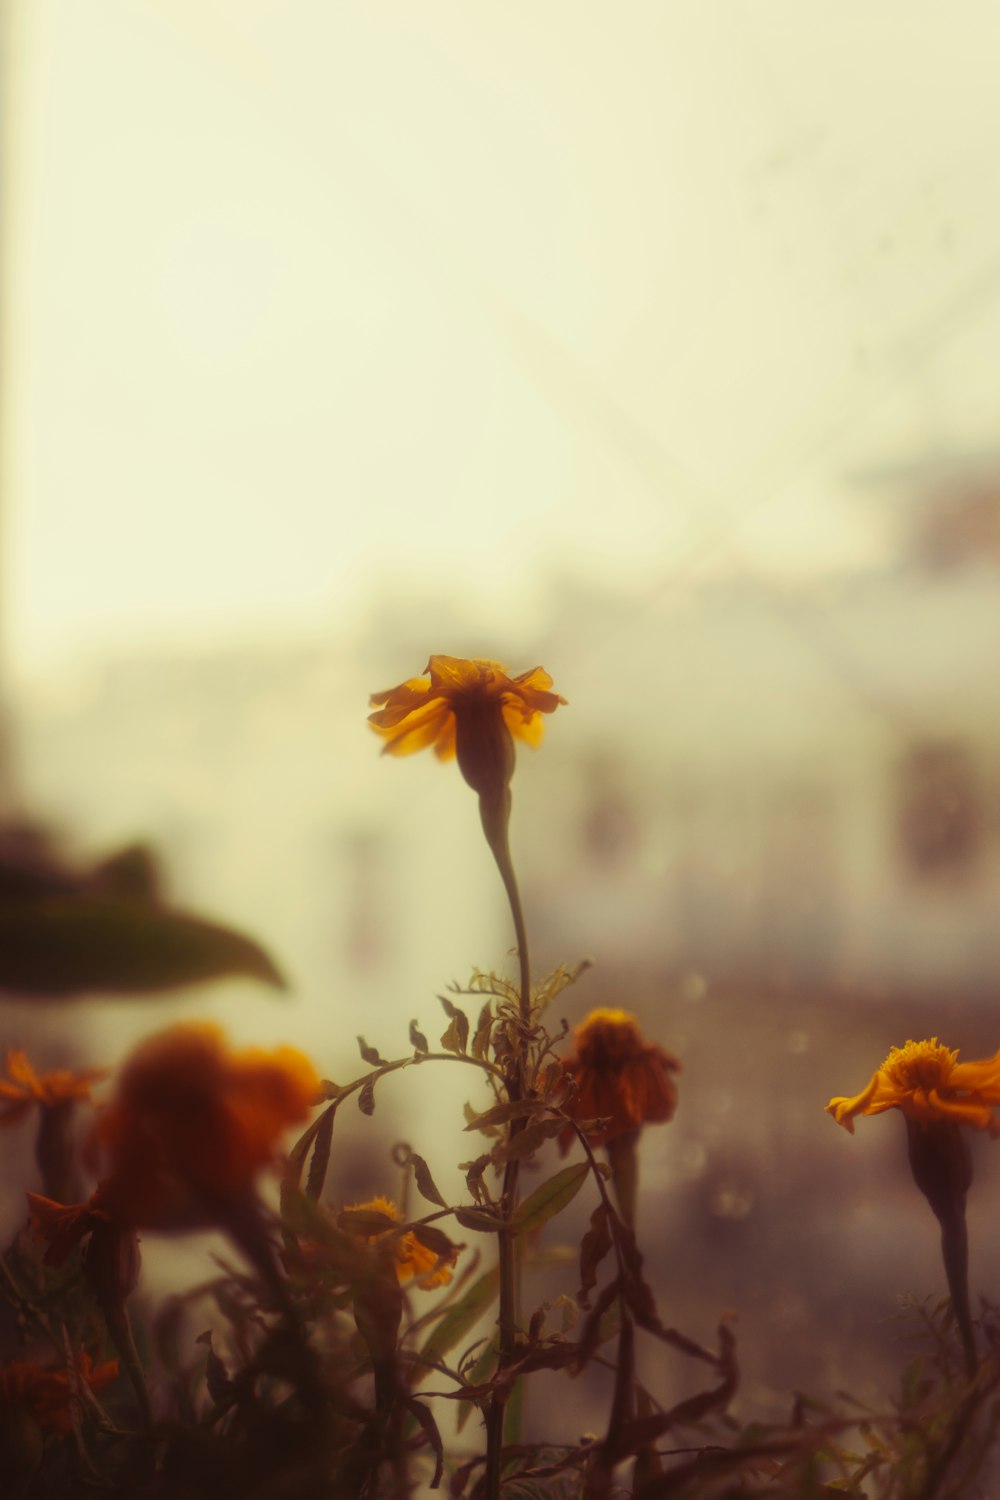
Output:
[[549, 1199], [458, 1320], [92, 941]]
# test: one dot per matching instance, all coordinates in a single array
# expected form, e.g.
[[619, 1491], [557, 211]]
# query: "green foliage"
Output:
[[354, 1353]]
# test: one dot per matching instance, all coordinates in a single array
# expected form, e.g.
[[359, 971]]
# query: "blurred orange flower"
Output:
[[23, 1088], [425, 710], [191, 1123], [413, 1259], [64, 1225], [926, 1082], [189, 1126], [46, 1394], [620, 1078]]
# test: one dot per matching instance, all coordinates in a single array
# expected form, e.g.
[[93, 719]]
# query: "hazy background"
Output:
[[659, 344]]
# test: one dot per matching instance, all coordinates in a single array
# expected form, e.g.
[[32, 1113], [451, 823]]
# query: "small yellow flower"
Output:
[[926, 1082], [413, 1260], [23, 1087], [454, 692], [620, 1077]]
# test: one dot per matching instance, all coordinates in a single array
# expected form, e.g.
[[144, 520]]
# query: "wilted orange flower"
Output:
[[23, 1088], [620, 1078], [413, 1259], [191, 1123], [425, 710], [46, 1394], [64, 1225], [926, 1082]]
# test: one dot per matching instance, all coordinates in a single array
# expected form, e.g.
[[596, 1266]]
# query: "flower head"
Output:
[[23, 1088], [191, 1123], [434, 709], [620, 1078], [413, 1259], [926, 1082]]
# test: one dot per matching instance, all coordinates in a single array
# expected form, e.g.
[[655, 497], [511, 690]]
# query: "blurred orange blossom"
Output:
[[188, 1128], [620, 1078], [926, 1082], [23, 1087], [46, 1394]]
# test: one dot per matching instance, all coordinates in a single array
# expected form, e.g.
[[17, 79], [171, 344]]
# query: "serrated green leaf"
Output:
[[551, 1198], [459, 1319], [91, 941]]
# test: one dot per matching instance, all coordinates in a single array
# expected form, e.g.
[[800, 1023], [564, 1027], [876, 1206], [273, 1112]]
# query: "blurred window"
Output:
[[941, 815]]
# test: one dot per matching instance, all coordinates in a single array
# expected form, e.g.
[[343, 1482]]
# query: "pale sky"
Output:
[[311, 301]]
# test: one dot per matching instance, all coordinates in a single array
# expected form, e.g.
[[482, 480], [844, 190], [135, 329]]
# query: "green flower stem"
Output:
[[942, 1169], [623, 1156], [119, 1326], [495, 816]]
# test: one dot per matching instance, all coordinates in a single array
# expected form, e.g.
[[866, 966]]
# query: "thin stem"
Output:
[[120, 1328], [499, 842], [621, 1406], [497, 837], [955, 1251]]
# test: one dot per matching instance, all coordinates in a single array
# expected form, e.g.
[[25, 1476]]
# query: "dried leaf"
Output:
[[220, 1387], [366, 1098], [484, 1366], [482, 1223], [366, 1221], [370, 1054], [594, 1247], [500, 1114], [456, 1038], [430, 1430], [426, 1185], [436, 1241], [292, 1179], [481, 1040], [321, 1153], [474, 1177], [417, 1038], [527, 1141]]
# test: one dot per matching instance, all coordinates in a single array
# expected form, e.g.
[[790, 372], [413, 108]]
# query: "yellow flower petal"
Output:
[[925, 1081]]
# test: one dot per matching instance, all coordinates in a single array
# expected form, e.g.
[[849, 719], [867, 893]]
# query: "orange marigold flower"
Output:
[[620, 1078], [191, 1123], [926, 1082], [46, 1394], [64, 1225], [23, 1088], [452, 697], [414, 1260]]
